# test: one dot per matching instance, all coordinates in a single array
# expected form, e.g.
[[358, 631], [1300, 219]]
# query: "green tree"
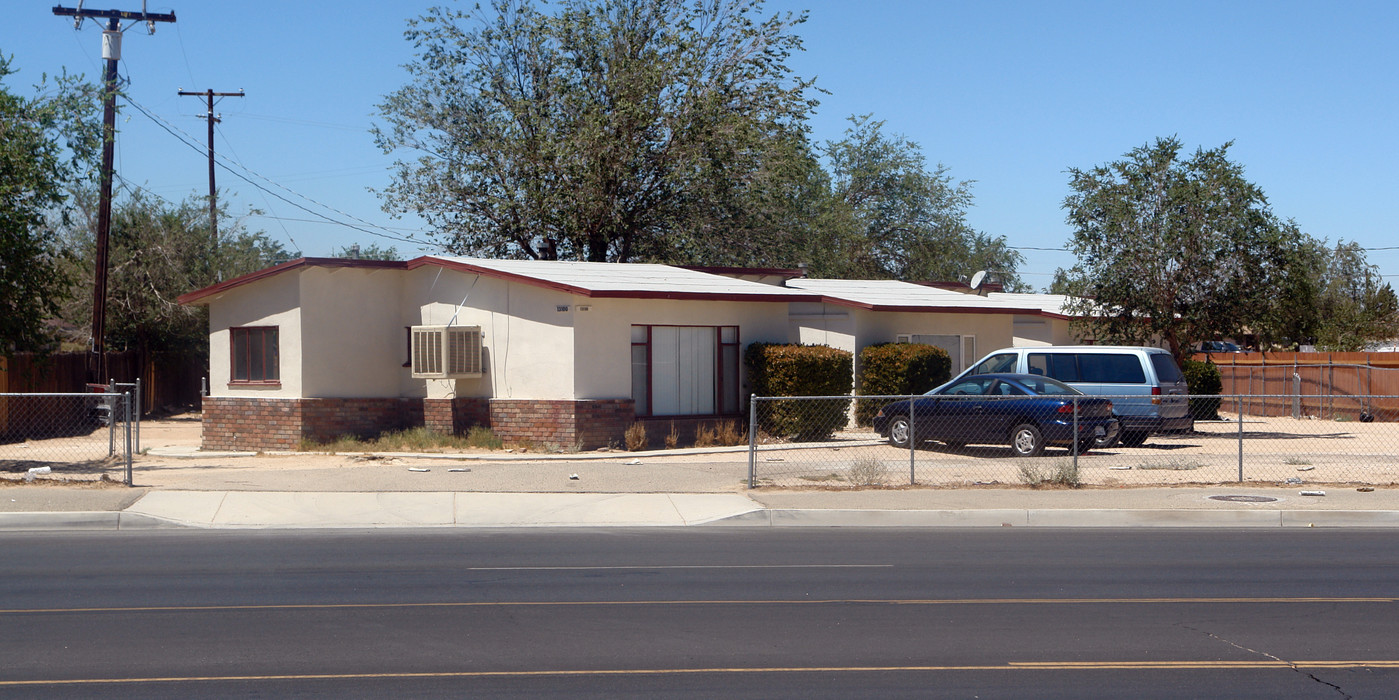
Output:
[[1354, 306], [1172, 248], [593, 132], [159, 250], [896, 219], [47, 142]]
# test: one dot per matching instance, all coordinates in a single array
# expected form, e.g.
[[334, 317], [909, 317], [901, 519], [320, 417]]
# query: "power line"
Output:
[[189, 141]]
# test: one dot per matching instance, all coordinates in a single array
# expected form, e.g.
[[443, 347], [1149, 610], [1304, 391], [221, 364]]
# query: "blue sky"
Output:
[[1007, 94]]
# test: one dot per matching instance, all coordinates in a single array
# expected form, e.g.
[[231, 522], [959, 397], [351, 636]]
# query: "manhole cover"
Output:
[[1244, 499]]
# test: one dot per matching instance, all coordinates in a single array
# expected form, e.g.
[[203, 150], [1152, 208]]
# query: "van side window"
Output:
[[1059, 366], [1004, 362], [1110, 369]]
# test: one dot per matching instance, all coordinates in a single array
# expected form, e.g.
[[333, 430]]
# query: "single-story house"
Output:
[[1049, 326], [559, 354], [853, 314]]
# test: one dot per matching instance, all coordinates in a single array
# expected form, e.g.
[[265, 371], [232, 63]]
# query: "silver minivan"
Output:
[[1121, 372]]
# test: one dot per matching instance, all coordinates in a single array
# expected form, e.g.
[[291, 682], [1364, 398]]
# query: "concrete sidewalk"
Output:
[[177, 485], [1171, 507]]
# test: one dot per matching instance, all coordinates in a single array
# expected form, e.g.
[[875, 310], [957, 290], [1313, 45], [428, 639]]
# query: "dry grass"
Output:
[[410, 440], [636, 437]]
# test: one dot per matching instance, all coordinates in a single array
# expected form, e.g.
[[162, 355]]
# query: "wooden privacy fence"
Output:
[[168, 380], [1329, 385]]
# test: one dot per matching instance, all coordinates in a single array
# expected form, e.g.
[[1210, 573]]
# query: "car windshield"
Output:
[[1044, 386]]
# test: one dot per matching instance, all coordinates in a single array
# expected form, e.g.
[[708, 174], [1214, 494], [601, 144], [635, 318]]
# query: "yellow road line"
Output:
[[1011, 666], [595, 603]]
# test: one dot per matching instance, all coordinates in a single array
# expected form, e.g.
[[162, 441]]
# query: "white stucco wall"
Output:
[[352, 342], [602, 358], [821, 324], [528, 343], [272, 302], [992, 331]]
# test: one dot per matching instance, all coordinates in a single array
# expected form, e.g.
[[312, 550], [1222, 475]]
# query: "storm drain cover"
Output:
[[1244, 499]]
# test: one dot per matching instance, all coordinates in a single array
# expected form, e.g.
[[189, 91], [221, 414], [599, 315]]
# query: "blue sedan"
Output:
[[1025, 411]]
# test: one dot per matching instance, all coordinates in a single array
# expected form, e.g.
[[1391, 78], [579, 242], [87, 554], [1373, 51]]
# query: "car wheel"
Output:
[[1026, 441], [898, 431], [1105, 443], [1134, 438]]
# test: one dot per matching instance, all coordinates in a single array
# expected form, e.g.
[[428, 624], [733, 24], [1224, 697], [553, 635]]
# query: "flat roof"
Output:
[[893, 295], [621, 280], [589, 279]]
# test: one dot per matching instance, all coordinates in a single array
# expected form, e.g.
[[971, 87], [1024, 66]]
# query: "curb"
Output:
[[86, 520], [780, 517]]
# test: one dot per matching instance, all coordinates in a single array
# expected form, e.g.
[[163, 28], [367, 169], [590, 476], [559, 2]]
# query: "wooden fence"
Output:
[[1329, 385], [168, 381]]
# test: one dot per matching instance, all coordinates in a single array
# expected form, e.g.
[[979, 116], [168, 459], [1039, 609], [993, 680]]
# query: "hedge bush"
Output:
[[1203, 378], [800, 370], [898, 369]]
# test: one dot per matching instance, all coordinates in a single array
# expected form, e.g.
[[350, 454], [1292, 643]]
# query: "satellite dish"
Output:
[[977, 279]]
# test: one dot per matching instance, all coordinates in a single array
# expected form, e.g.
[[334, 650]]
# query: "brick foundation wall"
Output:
[[324, 420], [456, 416], [236, 423], [239, 423], [566, 425], [251, 424]]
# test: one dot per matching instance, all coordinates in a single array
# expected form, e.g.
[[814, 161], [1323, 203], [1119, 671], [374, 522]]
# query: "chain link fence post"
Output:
[[752, 437], [129, 400], [912, 441], [1239, 402]]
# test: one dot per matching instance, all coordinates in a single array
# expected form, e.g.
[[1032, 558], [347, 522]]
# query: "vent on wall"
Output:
[[446, 352]]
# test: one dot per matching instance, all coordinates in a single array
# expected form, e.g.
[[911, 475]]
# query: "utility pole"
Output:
[[111, 52], [213, 202]]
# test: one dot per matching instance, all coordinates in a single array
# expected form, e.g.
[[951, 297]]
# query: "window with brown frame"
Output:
[[255, 356], [685, 370]]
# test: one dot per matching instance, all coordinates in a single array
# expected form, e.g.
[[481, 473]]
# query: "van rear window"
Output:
[[1110, 369], [1166, 370]]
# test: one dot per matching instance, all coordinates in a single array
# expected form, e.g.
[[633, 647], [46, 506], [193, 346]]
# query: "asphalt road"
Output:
[[687, 613]]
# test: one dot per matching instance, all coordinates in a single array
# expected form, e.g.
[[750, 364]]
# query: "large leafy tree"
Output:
[[47, 142], [594, 131], [158, 251], [1355, 306], [1173, 248], [895, 218]]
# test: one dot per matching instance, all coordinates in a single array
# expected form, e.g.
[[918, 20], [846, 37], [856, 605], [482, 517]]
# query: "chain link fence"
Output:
[[73, 437], [842, 442]]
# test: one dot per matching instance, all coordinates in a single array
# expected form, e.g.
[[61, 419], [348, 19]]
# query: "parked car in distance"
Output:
[[1024, 411], [1146, 385], [1219, 346]]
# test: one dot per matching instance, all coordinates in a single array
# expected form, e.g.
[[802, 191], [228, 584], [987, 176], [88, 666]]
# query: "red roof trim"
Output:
[[201, 294]]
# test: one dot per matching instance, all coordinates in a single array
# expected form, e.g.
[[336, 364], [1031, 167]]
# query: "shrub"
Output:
[[868, 472], [898, 369], [672, 439], [1205, 383], [706, 436], [730, 434], [636, 437], [800, 370]]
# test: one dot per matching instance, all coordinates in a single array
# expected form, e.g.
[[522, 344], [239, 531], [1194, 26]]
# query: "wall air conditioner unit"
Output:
[[446, 352]]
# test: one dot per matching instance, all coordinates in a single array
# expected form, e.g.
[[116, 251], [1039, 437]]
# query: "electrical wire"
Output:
[[194, 144]]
